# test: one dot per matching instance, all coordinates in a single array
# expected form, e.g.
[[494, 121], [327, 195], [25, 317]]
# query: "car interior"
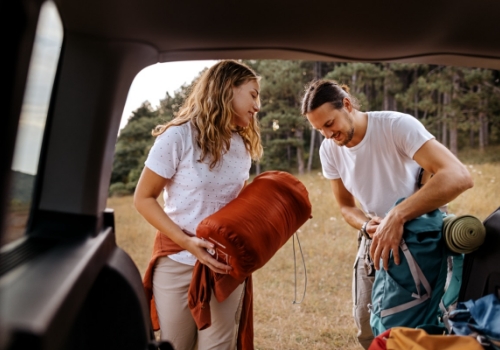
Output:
[[64, 283]]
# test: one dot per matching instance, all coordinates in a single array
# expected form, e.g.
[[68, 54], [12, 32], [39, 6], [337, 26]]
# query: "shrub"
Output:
[[119, 189]]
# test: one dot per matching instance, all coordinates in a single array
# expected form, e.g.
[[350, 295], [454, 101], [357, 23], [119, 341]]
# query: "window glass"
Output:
[[41, 74]]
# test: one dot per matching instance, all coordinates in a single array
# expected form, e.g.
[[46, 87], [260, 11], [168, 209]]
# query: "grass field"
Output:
[[323, 320]]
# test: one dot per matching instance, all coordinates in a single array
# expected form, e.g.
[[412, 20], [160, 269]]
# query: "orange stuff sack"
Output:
[[250, 229], [402, 338]]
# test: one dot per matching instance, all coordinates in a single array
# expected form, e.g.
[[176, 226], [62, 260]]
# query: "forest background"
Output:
[[460, 106], [302, 297]]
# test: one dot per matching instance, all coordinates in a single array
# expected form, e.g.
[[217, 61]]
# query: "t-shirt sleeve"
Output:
[[410, 134], [329, 170], [166, 153]]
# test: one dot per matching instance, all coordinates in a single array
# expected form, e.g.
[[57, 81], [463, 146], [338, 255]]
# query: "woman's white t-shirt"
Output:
[[195, 191], [380, 169]]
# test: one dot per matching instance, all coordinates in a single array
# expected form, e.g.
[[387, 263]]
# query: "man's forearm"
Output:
[[354, 216], [441, 189]]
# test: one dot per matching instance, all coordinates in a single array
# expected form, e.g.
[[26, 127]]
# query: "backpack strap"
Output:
[[418, 278], [447, 309], [449, 271], [444, 311]]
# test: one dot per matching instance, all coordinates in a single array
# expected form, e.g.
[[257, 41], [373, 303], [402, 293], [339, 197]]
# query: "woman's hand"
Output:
[[148, 189], [198, 247]]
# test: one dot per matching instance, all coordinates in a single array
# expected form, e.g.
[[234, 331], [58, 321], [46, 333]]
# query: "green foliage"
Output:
[[363, 79], [490, 154], [135, 140], [171, 104], [460, 106], [282, 125], [119, 189], [133, 144]]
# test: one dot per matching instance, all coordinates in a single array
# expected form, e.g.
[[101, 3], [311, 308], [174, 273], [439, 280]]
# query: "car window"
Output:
[[32, 121]]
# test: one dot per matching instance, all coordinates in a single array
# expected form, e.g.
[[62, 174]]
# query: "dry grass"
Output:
[[133, 234], [483, 198], [323, 320]]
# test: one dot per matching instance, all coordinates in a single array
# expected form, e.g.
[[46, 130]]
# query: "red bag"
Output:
[[249, 230], [380, 341]]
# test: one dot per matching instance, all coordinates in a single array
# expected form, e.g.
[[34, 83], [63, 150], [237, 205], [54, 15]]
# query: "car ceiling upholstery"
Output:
[[107, 42], [426, 31]]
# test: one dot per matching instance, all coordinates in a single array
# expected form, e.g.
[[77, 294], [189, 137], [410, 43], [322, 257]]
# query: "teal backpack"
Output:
[[452, 289], [409, 294]]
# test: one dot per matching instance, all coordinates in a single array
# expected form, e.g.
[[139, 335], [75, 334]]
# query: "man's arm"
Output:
[[351, 213], [450, 179]]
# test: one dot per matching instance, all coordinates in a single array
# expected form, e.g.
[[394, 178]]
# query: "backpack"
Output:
[[452, 287], [478, 318], [481, 271], [463, 235], [408, 294]]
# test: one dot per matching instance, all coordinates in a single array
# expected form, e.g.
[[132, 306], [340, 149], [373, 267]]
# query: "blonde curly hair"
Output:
[[209, 108]]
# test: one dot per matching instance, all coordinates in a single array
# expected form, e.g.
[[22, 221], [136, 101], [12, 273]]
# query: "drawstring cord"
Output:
[[295, 270]]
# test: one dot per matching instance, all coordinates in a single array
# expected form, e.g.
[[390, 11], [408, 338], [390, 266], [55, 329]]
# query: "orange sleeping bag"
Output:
[[250, 229]]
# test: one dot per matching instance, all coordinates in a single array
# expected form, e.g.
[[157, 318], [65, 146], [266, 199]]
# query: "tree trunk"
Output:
[[312, 145], [481, 131], [453, 136], [319, 139], [289, 155], [299, 135], [257, 168], [317, 70], [486, 132], [454, 119], [386, 105], [289, 150], [415, 96], [446, 102], [439, 114], [311, 149], [369, 94], [483, 125], [444, 131], [471, 132]]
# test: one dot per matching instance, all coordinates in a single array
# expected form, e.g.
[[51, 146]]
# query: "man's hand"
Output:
[[372, 225], [387, 237]]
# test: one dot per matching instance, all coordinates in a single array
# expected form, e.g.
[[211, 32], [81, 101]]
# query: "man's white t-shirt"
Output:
[[380, 169], [195, 191]]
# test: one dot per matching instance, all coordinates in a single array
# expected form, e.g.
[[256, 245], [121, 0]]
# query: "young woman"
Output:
[[201, 159]]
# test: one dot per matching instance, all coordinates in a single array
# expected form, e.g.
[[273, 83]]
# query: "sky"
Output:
[[43, 65], [153, 82]]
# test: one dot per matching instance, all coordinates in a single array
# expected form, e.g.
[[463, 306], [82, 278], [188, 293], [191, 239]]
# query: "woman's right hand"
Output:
[[198, 247]]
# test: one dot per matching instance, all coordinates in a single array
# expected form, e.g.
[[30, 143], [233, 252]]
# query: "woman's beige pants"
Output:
[[171, 281]]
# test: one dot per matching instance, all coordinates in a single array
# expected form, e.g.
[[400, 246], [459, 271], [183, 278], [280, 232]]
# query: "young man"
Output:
[[375, 157]]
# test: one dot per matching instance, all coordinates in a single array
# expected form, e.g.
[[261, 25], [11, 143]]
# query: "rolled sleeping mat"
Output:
[[463, 234]]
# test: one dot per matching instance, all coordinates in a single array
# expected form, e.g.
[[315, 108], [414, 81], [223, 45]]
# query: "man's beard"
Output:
[[348, 138]]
